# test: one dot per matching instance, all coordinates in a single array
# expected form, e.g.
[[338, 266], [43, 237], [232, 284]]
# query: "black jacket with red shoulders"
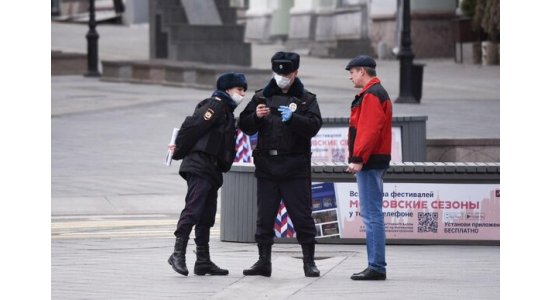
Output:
[[369, 136]]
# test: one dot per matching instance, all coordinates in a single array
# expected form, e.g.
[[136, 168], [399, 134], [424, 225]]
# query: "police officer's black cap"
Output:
[[230, 80], [285, 62], [361, 61]]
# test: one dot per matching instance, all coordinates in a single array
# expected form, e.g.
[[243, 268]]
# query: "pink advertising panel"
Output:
[[427, 211]]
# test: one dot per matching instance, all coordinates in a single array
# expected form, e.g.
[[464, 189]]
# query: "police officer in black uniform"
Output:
[[206, 142], [286, 116]]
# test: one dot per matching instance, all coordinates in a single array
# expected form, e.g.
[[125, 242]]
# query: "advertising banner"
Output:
[[411, 210], [426, 211], [418, 211], [331, 145], [325, 210]]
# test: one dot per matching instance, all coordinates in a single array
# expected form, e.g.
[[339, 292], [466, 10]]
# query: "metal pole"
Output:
[[92, 38], [406, 56]]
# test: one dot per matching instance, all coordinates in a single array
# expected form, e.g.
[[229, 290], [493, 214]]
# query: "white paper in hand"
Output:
[[168, 160]]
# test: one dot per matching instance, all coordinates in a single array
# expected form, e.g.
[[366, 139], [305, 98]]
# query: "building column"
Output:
[[302, 25]]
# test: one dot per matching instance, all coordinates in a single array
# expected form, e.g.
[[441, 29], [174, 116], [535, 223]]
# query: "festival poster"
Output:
[[427, 211], [351, 225], [324, 210], [331, 145], [324, 214]]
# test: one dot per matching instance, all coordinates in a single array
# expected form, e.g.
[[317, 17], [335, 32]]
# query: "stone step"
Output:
[[217, 52], [68, 63], [172, 15], [177, 73], [185, 32], [168, 3]]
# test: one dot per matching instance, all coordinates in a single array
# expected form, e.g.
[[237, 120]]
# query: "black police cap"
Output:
[[361, 61], [230, 80], [285, 62]]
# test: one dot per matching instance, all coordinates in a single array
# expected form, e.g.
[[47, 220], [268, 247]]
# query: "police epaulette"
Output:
[[309, 96]]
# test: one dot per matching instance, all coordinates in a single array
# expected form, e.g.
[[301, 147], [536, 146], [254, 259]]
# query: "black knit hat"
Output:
[[361, 61], [285, 62], [230, 80]]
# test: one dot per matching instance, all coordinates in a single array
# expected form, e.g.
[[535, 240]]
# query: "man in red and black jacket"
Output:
[[369, 141]]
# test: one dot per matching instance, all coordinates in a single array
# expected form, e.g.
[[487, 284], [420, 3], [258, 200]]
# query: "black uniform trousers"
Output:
[[200, 209], [296, 194]]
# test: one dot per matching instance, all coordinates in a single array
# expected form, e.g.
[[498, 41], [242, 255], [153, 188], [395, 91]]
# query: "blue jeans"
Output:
[[370, 186]]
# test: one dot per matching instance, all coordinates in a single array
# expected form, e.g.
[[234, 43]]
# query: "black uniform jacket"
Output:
[[213, 141], [284, 148]]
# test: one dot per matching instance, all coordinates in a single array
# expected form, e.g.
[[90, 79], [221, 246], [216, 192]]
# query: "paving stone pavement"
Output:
[[128, 260]]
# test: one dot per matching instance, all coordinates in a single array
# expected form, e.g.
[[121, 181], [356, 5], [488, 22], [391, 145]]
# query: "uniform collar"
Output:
[[222, 95]]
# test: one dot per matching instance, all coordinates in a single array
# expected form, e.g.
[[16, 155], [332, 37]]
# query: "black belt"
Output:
[[275, 152]]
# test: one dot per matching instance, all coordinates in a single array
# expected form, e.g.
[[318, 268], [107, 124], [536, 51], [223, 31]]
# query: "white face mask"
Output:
[[237, 98], [282, 81]]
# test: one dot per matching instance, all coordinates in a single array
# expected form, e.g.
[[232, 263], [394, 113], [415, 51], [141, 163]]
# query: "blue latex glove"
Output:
[[286, 113]]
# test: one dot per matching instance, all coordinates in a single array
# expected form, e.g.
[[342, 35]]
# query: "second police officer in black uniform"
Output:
[[286, 116], [206, 145]]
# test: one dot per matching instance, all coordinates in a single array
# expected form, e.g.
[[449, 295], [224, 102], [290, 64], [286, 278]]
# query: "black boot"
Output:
[[310, 269], [263, 265], [177, 259], [204, 265]]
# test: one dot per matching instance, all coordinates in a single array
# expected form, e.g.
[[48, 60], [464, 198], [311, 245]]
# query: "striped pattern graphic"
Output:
[[243, 148], [283, 224]]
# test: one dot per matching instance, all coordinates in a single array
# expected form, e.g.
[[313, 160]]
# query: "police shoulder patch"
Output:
[[208, 114]]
